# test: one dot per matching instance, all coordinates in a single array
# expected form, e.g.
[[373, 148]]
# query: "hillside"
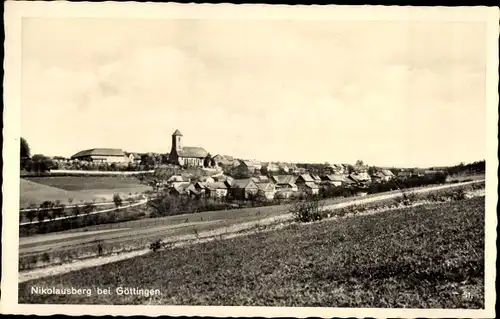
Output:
[[429, 256], [35, 193]]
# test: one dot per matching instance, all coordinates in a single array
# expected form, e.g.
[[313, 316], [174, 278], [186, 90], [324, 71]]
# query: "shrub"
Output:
[[45, 258], [31, 214], [306, 210], [409, 198], [88, 208], [117, 200], [459, 194], [76, 211], [156, 245], [32, 260]]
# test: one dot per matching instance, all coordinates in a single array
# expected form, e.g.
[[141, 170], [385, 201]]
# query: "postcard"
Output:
[[249, 160]]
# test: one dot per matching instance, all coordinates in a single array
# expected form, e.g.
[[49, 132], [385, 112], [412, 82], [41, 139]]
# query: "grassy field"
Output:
[[34, 191], [72, 183], [428, 256], [229, 214], [465, 177]]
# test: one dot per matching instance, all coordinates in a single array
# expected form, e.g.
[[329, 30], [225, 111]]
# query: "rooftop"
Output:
[[190, 151], [100, 152]]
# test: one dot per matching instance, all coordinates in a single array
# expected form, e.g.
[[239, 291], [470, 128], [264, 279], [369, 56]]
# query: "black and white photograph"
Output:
[[289, 159]]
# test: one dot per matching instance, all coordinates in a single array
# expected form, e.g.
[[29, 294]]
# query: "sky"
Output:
[[389, 93]]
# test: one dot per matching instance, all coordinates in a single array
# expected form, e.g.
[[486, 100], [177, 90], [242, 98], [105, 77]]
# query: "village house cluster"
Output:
[[268, 180], [280, 186]]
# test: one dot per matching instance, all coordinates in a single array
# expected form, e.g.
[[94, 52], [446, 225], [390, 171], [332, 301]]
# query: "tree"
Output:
[[30, 214], [207, 160], [88, 208], [25, 149], [117, 200], [372, 170], [76, 211], [58, 210], [40, 215], [148, 160], [350, 169], [359, 163]]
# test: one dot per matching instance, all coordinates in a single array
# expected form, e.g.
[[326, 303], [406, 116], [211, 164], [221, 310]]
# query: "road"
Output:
[[173, 225], [63, 241]]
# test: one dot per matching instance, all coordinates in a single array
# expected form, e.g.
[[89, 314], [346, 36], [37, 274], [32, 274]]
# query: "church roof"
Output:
[[190, 151], [177, 133]]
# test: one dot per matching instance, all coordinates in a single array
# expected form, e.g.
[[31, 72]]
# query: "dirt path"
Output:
[[239, 229]]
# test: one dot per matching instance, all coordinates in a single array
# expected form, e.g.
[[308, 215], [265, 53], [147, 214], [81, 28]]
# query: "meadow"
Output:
[[72, 183], [76, 189], [429, 256]]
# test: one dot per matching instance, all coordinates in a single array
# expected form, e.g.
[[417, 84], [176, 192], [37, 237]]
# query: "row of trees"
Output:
[[76, 216], [471, 168]]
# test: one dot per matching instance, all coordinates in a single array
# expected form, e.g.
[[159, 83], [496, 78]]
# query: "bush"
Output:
[[161, 205], [156, 245], [459, 194], [45, 258], [306, 210], [117, 200]]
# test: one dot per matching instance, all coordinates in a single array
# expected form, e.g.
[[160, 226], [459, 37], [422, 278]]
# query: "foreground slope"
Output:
[[422, 257]]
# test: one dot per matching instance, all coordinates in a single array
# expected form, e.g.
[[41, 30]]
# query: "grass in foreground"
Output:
[[422, 257]]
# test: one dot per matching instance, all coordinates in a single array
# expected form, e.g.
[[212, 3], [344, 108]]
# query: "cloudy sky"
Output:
[[388, 93]]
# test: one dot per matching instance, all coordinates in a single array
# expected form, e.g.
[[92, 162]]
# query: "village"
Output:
[[227, 177]]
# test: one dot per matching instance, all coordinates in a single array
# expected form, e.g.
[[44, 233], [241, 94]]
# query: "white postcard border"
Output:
[[16, 10]]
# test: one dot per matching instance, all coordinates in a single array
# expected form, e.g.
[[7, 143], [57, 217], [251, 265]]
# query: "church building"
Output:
[[187, 156]]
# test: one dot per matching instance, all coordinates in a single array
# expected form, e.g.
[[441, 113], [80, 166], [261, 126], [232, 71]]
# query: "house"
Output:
[[266, 189], [249, 167], [285, 193], [418, 172], [270, 167], [334, 169], [179, 179], [284, 167], [350, 182], [387, 175], [186, 156], [179, 189], [353, 180], [261, 179], [316, 178], [206, 179], [378, 177], [404, 174], [244, 188], [222, 160], [310, 188], [304, 178], [433, 172], [192, 191], [332, 179], [216, 190], [362, 176], [133, 157], [224, 179], [200, 187], [284, 181], [102, 155]]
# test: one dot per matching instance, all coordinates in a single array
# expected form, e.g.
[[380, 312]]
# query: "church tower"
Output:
[[176, 141]]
